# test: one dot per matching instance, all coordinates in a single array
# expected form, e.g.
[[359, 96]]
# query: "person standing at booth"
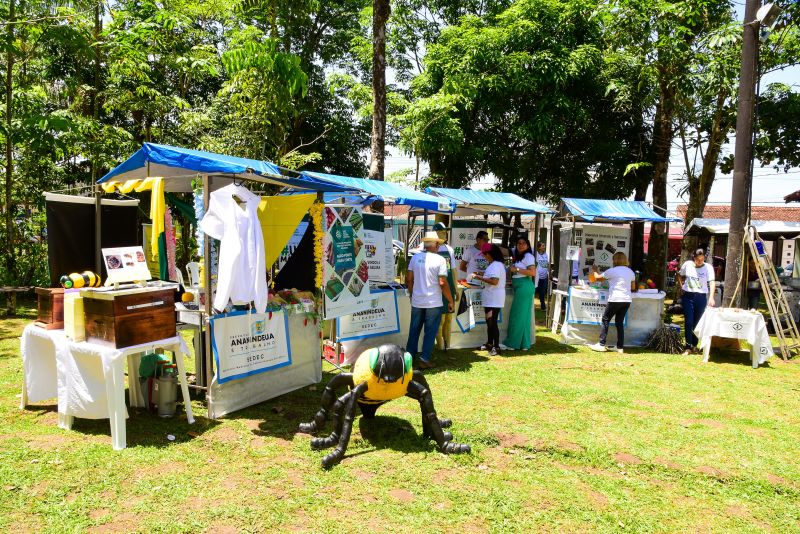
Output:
[[426, 281], [472, 260], [522, 272], [621, 283], [493, 294], [697, 280], [446, 251], [542, 273]]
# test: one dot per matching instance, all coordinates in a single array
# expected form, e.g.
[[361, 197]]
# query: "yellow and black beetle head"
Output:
[[390, 363]]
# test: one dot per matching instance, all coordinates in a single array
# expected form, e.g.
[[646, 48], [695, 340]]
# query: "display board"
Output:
[[246, 343], [125, 264], [462, 235], [599, 243], [378, 245], [380, 319], [291, 246], [345, 271]]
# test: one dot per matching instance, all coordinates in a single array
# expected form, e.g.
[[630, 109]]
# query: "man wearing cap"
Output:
[[426, 281], [449, 255]]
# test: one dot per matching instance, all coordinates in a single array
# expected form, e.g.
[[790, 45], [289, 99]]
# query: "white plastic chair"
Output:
[[179, 273], [193, 268]]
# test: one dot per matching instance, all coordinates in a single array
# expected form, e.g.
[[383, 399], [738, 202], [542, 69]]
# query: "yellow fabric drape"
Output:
[[158, 206], [279, 217]]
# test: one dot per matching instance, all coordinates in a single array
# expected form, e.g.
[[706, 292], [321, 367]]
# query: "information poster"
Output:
[[245, 343], [380, 319], [345, 270], [292, 245], [599, 245], [587, 307], [125, 264], [380, 270], [461, 238]]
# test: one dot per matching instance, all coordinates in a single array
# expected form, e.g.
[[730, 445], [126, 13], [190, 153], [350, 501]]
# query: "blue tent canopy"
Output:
[[386, 191], [489, 201], [592, 210], [179, 164]]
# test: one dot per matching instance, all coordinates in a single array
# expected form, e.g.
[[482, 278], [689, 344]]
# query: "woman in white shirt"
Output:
[[696, 278], [493, 295], [621, 282], [522, 272]]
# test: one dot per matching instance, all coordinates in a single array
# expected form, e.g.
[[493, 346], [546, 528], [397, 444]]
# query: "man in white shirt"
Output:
[[426, 281], [472, 260], [447, 252]]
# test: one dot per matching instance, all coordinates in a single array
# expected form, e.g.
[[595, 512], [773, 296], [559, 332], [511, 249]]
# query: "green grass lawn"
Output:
[[563, 439]]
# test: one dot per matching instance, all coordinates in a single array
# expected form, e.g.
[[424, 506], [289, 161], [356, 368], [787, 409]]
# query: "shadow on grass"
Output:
[[391, 432], [144, 429], [735, 357]]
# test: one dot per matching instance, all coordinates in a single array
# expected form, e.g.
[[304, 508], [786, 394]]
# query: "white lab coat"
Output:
[[242, 269]]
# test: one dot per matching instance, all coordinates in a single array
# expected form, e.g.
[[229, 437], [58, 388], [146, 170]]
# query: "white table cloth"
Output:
[[89, 378], [39, 362], [734, 323]]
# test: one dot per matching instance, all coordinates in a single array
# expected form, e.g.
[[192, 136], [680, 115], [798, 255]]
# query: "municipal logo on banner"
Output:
[[585, 307], [249, 343], [380, 319]]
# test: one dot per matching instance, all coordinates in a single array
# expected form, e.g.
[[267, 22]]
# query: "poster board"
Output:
[[125, 264], [462, 236], [345, 271], [380, 319], [598, 245], [381, 269], [245, 343], [292, 245]]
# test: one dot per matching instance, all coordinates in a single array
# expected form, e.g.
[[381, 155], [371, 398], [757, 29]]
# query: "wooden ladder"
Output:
[[781, 314]]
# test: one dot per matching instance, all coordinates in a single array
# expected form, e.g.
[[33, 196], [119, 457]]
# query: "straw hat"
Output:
[[432, 236]]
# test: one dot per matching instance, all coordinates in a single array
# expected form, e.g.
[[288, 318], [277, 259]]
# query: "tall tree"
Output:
[[9, 129], [663, 37], [381, 10], [521, 96]]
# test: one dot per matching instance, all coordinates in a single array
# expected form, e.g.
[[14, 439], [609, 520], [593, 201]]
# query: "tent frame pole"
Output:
[[207, 374]]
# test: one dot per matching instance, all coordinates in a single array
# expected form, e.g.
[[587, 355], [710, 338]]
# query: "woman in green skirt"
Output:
[[522, 271]]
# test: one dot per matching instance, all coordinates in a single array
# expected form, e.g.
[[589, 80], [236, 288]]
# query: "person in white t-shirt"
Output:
[[696, 278], [426, 281], [493, 294], [447, 252], [621, 282], [472, 260]]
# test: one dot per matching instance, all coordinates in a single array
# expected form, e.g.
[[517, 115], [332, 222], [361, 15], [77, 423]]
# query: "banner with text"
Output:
[[587, 307], [345, 271], [381, 264], [599, 243], [380, 319], [292, 245], [471, 313], [245, 343]]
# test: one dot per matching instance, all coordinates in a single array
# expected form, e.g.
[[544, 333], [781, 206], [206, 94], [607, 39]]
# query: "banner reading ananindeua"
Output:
[[248, 343], [380, 319]]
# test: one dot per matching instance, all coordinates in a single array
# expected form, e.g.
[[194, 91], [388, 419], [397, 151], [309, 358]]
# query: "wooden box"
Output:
[[51, 308], [129, 317]]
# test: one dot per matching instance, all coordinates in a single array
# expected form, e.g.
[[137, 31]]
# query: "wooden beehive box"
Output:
[[129, 317], [50, 308]]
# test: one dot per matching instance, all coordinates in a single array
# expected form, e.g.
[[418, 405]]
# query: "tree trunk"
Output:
[[10, 256], [700, 186], [380, 14], [656, 265]]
